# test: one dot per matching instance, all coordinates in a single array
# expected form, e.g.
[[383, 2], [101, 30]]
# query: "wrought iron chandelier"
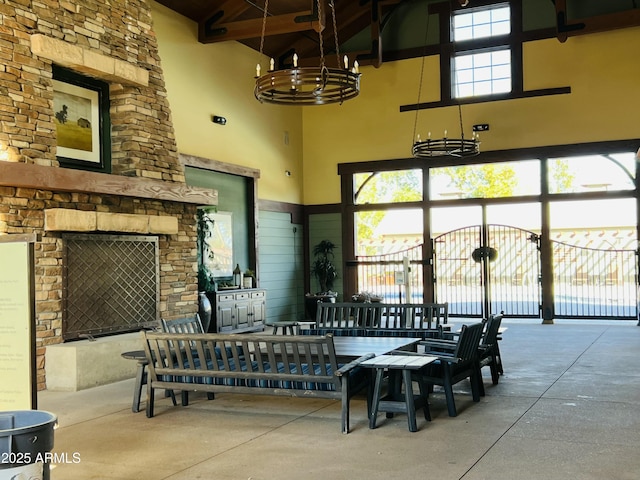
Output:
[[451, 147], [319, 85]]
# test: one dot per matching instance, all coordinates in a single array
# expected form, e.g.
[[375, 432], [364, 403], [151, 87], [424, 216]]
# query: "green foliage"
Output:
[[561, 177], [323, 268], [384, 187], [205, 229], [489, 180], [206, 282]]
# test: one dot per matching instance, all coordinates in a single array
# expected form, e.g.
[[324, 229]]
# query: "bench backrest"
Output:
[[282, 357], [422, 316]]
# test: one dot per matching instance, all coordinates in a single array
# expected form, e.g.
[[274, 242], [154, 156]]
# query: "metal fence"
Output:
[[588, 282], [592, 282], [377, 274]]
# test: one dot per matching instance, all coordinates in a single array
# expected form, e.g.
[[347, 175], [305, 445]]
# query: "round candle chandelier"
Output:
[[452, 147], [445, 146], [319, 85]]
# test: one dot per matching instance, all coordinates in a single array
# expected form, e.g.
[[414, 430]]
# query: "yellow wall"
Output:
[[203, 80], [217, 79], [601, 69]]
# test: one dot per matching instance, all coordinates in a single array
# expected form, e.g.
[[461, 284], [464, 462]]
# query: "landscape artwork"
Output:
[[77, 119]]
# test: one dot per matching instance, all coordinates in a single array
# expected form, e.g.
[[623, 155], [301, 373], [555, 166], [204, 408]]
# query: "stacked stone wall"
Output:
[[142, 142], [22, 211]]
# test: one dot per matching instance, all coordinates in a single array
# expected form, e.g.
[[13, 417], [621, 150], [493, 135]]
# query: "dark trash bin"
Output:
[[26, 437]]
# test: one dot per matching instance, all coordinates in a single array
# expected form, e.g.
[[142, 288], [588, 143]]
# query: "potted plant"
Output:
[[323, 268], [206, 281], [249, 279], [325, 272]]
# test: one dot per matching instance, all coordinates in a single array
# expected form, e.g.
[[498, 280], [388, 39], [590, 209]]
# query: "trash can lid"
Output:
[[17, 421]]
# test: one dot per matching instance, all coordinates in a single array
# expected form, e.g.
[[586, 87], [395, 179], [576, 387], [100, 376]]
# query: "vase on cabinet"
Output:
[[205, 310]]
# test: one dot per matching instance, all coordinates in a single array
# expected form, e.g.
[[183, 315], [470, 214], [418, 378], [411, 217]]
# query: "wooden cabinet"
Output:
[[239, 310]]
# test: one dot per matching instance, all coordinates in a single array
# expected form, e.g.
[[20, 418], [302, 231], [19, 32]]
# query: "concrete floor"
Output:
[[568, 407]]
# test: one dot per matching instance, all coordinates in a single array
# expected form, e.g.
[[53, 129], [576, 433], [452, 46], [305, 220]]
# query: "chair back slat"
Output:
[[490, 336], [469, 341]]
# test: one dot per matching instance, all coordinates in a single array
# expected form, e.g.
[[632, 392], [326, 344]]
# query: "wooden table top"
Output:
[[403, 362], [358, 346]]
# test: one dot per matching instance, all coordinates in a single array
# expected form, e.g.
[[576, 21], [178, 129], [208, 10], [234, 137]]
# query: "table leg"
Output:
[[395, 388], [141, 379], [408, 398], [376, 397], [424, 394]]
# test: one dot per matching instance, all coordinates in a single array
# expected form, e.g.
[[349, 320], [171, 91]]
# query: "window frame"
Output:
[[509, 41]]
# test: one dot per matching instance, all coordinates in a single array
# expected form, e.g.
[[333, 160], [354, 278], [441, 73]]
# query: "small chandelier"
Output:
[[307, 85], [452, 147], [441, 147]]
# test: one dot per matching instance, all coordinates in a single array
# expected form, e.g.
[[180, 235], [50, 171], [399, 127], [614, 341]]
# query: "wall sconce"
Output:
[[219, 120]]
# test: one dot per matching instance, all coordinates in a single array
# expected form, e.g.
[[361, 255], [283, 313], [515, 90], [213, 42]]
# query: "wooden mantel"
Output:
[[25, 175]]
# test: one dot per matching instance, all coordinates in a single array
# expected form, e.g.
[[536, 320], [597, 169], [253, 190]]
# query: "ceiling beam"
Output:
[[275, 25], [599, 23], [228, 11]]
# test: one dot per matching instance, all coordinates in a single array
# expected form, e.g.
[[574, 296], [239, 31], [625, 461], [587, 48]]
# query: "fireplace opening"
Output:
[[110, 284]]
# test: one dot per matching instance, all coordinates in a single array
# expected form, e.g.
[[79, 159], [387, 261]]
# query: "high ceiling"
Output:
[[293, 25]]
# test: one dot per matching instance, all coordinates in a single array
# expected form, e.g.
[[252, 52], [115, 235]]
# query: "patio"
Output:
[[568, 407]]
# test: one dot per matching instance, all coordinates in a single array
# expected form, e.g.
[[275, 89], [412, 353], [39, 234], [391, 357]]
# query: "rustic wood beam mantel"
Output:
[[23, 175]]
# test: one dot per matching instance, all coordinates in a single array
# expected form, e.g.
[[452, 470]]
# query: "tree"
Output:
[[489, 180], [384, 187]]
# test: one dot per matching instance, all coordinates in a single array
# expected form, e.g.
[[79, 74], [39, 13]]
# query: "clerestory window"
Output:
[[481, 67]]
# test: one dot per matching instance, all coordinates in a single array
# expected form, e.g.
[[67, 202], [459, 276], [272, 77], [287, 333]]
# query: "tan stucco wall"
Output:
[[600, 69], [218, 79]]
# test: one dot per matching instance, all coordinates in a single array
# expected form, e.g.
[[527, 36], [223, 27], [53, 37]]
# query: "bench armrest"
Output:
[[353, 364]]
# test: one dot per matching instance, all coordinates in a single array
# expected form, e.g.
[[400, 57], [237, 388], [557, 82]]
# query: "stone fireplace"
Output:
[[143, 194], [110, 284]]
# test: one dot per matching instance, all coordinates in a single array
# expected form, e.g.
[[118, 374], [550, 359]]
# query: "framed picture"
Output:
[[81, 116], [220, 244]]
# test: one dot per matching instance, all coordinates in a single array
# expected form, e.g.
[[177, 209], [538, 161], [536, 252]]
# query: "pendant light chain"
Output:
[[424, 53], [321, 40], [335, 30], [264, 25], [445, 146]]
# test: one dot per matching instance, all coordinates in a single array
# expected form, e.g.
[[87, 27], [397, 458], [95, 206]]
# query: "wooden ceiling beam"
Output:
[[600, 23], [275, 25], [227, 12]]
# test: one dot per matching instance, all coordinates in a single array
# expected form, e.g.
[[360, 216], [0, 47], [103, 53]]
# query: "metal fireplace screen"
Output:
[[110, 284]]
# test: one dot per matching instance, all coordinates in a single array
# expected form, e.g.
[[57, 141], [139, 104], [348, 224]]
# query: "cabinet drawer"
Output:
[[257, 294], [242, 296], [225, 297]]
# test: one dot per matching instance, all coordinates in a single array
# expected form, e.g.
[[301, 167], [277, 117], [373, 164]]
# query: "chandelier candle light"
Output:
[[307, 85], [453, 147]]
